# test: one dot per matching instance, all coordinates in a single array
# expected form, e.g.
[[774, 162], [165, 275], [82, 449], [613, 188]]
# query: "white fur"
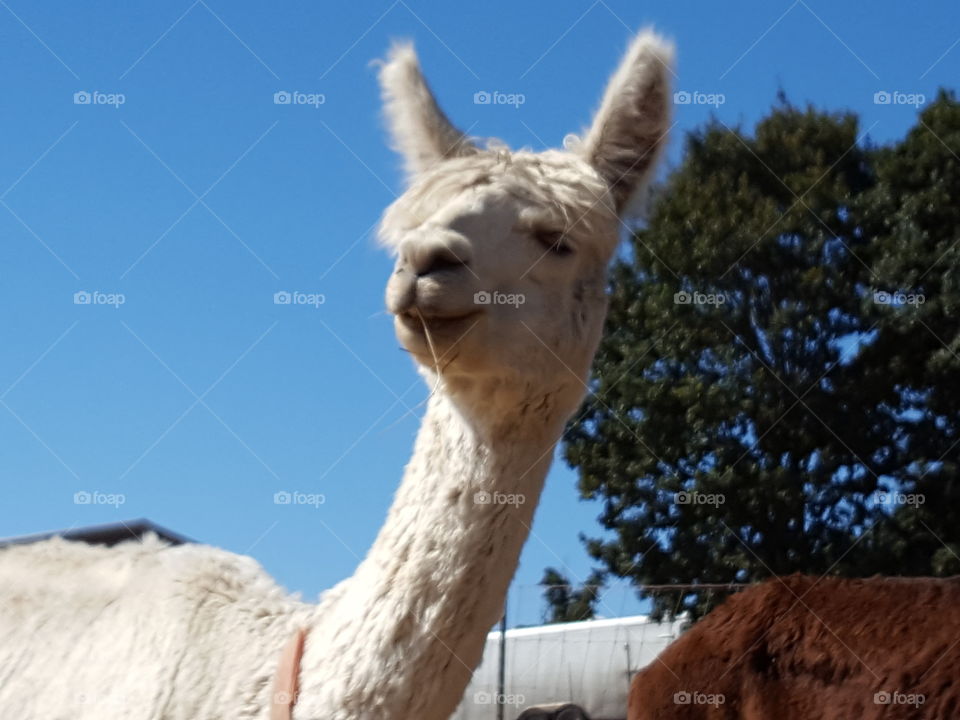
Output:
[[137, 631], [629, 131], [151, 631], [421, 132]]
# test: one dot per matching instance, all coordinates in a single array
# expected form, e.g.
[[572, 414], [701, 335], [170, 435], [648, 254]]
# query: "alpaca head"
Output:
[[501, 256]]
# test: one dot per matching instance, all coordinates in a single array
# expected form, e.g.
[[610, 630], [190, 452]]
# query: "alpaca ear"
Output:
[[630, 129], [422, 134]]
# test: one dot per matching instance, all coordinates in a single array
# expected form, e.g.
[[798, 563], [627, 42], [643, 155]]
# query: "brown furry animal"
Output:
[[803, 648]]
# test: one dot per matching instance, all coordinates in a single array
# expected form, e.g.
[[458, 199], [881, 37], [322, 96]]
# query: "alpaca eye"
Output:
[[554, 241]]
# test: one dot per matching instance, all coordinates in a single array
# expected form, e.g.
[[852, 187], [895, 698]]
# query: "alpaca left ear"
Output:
[[630, 129], [421, 132]]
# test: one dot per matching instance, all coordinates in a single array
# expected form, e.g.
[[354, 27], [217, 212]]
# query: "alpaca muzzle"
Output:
[[401, 292]]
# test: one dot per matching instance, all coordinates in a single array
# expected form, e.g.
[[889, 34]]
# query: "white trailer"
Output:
[[589, 663]]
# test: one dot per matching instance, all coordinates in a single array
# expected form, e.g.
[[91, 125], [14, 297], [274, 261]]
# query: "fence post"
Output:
[[502, 671]]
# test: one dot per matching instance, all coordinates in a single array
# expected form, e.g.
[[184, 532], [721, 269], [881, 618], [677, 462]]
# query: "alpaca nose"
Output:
[[428, 257], [441, 259]]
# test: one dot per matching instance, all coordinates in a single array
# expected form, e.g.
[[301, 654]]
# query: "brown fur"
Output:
[[803, 648]]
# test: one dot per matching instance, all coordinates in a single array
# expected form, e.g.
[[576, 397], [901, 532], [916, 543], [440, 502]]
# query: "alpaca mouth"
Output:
[[414, 321]]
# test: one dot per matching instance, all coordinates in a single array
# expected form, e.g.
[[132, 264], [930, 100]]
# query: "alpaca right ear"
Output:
[[630, 129], [421, 132]]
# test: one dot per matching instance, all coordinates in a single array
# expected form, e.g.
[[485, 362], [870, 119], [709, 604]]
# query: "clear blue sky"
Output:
[[198, 198]]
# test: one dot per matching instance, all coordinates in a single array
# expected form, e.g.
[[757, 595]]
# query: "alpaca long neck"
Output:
[[400, 639]]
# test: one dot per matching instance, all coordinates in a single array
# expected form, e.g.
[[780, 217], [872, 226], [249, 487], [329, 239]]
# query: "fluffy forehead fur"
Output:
[[614, 160], [553, 188]]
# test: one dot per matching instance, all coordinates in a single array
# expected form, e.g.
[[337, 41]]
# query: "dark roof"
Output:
[[109, 534]]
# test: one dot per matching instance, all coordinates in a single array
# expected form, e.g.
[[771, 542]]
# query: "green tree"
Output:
[[913, 217], [750, 398], [566, 603]]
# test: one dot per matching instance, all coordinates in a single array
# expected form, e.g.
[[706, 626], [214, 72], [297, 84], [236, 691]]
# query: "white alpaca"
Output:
[[145, 630]]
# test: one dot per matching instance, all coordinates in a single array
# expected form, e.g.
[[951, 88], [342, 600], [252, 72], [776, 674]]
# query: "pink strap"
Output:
[[285, 679]]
